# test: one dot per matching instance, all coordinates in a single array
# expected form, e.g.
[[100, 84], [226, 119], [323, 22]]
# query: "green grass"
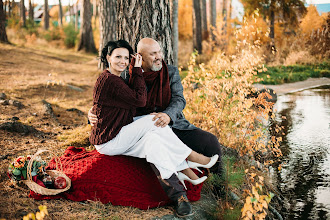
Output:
[[286, 74], [232, 180]]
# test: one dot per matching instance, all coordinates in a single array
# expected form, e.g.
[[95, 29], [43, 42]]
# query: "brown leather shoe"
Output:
[[182, 207]]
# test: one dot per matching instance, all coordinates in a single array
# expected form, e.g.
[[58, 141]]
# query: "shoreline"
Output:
[[295, 86]]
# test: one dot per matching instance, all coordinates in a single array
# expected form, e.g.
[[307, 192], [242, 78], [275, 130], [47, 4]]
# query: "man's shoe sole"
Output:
[[182, 216]]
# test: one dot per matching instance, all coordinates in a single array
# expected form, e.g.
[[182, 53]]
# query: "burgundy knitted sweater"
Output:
[[115, 103]]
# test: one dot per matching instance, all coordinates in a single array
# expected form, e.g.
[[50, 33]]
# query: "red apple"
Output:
[[59, 182]]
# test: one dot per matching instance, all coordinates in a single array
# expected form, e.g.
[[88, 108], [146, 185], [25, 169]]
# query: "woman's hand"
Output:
[[92, 117], [138, 60]]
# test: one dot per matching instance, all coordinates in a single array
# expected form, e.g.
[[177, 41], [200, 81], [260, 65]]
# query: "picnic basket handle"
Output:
[[29, 166]]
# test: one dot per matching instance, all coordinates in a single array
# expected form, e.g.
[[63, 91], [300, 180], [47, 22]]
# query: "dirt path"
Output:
[[33, 76], [296, 86]]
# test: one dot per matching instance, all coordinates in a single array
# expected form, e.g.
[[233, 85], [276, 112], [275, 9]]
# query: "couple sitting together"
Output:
[[139, 114]]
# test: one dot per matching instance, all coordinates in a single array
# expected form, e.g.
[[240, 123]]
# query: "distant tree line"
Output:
[[133, 20]]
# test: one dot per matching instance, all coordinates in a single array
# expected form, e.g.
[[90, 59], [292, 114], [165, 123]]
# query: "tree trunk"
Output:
[[76, 16], [86, 32], [60, 14], [108, 24], [204, 20], [94, 11], [213, 17], [46, 15], [10, 8], [31, 12], [224, 14], [224, 36], [71, 11], [175, 32], [5, 7], [22, 12], [197, 30], [148, 18], [272, 27], [3, 34]]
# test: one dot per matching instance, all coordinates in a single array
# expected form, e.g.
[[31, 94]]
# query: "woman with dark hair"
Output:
[[117, 133]]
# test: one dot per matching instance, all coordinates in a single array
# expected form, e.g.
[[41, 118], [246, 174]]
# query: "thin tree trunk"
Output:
[[148, 18], [224, 26], [31, 12], [10, 8], [175, 32], [94, 11], [108, 23], [197, 30], [3, 34], [5, 7], [272, 30], [70, 11], [76, 17], [22, 12], [86, 32], [213, 17], [60, 14], [204, 20], [46, 15]]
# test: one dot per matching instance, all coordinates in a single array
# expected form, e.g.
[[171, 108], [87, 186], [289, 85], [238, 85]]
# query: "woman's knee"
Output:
[[147, 122]]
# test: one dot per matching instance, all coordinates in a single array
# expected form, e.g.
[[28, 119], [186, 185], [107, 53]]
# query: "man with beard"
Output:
[[165, 101]]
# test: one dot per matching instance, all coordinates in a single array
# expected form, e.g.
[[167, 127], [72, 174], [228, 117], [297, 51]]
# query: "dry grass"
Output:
[[24, 73]]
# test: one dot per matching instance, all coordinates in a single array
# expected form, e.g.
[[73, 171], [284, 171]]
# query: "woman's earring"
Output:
[[109, 64]]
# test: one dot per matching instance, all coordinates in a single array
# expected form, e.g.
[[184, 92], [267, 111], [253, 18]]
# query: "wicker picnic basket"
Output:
[[53, 173]]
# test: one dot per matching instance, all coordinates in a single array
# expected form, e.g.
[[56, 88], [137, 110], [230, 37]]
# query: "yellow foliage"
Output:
[[216, 95], [185, 19], [311, 21], [39, 215], [254, 29]]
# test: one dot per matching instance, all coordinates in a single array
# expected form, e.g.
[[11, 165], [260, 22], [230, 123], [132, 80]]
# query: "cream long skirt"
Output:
[[159, 146]]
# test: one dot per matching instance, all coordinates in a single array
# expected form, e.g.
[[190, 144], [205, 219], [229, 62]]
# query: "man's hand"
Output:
[[162, 119], [92, 117]]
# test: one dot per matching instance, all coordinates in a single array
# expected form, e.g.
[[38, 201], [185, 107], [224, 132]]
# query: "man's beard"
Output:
[[156, 67]]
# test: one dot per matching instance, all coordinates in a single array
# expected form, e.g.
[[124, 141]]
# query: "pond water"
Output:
[[304, 179]]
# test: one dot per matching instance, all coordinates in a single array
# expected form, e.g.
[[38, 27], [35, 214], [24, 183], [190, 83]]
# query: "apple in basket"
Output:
[[59, 182]]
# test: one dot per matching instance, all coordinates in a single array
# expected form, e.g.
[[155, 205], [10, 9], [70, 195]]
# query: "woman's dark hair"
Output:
[[111, 46]]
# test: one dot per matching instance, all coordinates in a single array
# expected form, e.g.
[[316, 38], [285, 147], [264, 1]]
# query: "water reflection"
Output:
[[304, 180]]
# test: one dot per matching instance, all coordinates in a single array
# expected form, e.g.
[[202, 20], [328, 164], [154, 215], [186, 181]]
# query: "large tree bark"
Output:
[[60, 14], [46, 15], [86, 32], [175, 32], [146, 18], [31, 12], [204, 20], [22, 13], [3, 34], [108, 23], [197, 30], [213, 17]]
